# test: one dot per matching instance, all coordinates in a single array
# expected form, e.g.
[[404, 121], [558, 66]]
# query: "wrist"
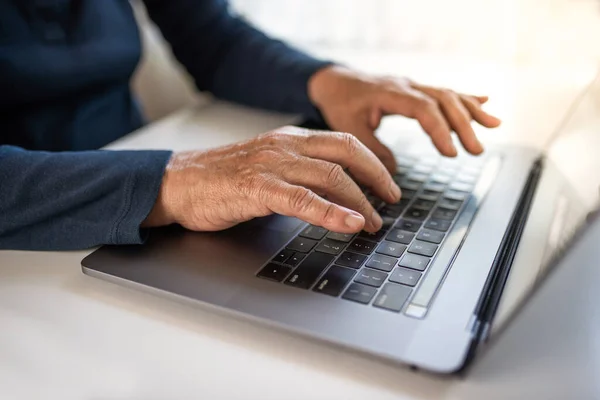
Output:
[[162, 212], [334, 83], [322, 83]]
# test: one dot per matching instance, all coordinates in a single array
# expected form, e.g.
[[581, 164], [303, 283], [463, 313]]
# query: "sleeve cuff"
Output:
[[142, 187]]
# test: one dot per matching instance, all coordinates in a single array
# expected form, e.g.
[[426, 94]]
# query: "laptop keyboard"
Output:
[[386, 268]]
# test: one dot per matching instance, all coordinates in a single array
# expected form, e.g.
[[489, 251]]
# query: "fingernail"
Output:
[[354, 222], [376, 221], [395, 192]]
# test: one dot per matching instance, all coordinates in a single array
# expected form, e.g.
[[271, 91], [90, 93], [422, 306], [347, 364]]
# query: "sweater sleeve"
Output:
[[228, 57], [76, 200]]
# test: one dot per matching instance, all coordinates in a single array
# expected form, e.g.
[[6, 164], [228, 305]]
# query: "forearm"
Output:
[[75, 200], [232, 59]]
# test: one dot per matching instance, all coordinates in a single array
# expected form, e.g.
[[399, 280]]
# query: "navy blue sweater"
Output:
[[65, 67]]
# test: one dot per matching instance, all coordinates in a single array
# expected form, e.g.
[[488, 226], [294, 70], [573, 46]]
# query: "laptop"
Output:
[[457, 255]]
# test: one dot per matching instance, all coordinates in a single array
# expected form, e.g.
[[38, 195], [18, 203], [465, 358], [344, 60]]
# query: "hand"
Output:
[[287, 171], [355, 103]]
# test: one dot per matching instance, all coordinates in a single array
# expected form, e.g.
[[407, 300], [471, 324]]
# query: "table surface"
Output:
[[69, 336]]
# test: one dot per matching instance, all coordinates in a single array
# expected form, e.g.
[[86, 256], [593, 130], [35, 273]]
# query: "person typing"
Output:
[[65, 70]]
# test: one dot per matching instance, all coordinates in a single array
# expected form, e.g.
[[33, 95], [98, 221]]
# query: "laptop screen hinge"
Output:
[[494, 286]]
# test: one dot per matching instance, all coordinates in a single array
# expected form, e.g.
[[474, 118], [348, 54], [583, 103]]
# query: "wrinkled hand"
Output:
[[289, 171], [355, 103]]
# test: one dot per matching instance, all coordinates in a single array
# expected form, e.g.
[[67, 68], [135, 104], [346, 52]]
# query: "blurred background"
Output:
[[528, 55], [521, 31]]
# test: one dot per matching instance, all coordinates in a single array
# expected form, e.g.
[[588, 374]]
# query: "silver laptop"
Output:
[[456, 257]]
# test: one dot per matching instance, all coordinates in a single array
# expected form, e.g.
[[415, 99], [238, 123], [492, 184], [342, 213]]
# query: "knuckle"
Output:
[[336, 175], [448, 95], [349, 141], [272, 138], [301, 200], [427, 103], [265, 155], [329, 213]]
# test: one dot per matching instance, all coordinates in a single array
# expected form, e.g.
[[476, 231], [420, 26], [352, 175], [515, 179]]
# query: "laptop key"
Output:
[[390, 212], [399, 205], [313, 232], [373, 236], [405, 276], [465, 177], [415, 213], [408, 194], [441, 178], [348, 259], [274, 272], [371, 277], [434, 187], [391, 249], [340, 237], [380, 262], [362, 246], [408, 225], [429, 195], [399, 236], [301, 244], [461, 186], [438, 224], [414, 261], [387, 222], [417, 177], [392, 297], [423, 204], [454, 195], [431, 236], [424, 168], [295, 259], [422, 248], [359, 293], [409, 185], [375, 201], [330, 246], [402, 170], [443, 213], [450, 204], [283, 255], [309, 270], [334, 281]]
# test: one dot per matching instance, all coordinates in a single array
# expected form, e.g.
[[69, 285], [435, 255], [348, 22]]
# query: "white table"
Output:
[[64, 335]]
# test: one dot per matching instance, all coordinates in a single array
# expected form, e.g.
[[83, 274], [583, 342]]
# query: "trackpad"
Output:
[[275, 222]]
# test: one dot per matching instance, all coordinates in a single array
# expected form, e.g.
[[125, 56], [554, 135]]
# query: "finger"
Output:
[[382, 152], [346, 150], [415, 104], [458, 116], [329, 179], [295, 201], [478, 113], [480, 99]]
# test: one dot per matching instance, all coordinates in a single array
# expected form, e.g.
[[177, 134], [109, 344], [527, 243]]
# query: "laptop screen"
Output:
[[575, 154], [567, 193]]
